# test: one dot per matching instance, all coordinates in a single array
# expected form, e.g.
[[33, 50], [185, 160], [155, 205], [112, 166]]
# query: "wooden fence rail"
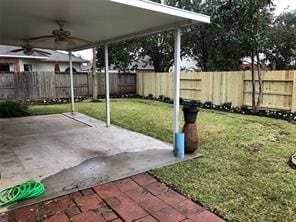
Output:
[[37, 85], [279, 87]]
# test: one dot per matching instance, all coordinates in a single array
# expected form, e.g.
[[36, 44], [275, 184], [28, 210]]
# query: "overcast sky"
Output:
[[281, 5]]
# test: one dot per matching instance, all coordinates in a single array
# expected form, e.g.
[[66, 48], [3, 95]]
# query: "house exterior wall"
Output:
[[46, 66], [13, 63]]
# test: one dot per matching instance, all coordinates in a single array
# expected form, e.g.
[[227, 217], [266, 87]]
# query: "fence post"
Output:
[[293, 109]]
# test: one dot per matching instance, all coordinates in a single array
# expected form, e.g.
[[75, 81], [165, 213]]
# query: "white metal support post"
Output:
[[107, 86], [176, 78], [71, 81]]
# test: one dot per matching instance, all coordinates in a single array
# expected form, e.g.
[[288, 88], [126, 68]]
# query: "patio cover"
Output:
[[98, 21]]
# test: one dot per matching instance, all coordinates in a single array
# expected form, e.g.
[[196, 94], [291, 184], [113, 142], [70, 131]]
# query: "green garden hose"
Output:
[[23, 191]]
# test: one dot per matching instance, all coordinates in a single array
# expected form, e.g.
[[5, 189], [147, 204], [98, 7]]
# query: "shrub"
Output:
[[13, 109], [227, 105], [245, 108], [181, 101], [167, 99], [208, 104], [150, 96], [161, 98]]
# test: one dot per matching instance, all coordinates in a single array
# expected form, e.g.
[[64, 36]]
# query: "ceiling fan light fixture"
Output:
[[61, 42], [62, 38]]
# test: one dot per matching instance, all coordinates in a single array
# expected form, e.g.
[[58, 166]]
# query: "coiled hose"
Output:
[[23, 191]]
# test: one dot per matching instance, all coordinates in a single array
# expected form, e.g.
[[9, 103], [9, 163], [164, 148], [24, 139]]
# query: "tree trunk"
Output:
[[94, 74], [253, 84], [260, 95]]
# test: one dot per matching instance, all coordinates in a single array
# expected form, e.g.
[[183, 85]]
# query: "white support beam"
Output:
[[107, 86], [176, 78], [71, 81]]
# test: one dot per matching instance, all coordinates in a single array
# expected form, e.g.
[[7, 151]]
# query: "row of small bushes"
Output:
[[53, 101], [20, 108], [227, 107]]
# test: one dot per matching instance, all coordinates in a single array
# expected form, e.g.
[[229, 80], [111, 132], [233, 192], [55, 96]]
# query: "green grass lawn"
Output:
[[243, 174]]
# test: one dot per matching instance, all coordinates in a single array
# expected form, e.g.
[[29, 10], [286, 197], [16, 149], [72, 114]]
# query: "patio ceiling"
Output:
[[99, 21]]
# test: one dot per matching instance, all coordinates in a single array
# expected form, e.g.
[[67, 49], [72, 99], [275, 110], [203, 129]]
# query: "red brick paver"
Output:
[[152, 204], [109, 216], [126, 184], [107, 190], [26, 213], [75, 194], [90, 202], [168, 214], [140, 198], [189, 208], [61, 217], [147, 219], [89, 216], [139, 194], [157, 188], [87, 192], [206, 216], [128, 209], [143, 179], [70, 212], [171, 197]]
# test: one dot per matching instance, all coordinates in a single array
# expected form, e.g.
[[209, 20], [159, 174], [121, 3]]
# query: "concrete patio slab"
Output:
[[71, 152]]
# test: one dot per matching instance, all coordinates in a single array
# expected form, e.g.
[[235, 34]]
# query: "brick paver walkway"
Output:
[[138, 198]]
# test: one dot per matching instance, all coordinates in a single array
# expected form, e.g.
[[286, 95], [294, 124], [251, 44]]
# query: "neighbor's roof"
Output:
[[55, 56], [98, 21]]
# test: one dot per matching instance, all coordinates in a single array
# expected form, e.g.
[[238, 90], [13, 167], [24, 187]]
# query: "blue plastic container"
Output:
[[179, 145]]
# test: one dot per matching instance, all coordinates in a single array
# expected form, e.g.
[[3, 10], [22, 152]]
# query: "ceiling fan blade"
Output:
[[42, 52], [71, 42], [40, 37], [17, 50], [79, 39]]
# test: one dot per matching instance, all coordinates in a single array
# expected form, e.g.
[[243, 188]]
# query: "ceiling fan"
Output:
[[29, 50], [60, 36]]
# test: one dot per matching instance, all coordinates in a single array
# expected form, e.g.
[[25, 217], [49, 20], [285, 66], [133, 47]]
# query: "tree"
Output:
[[217, 46], [281, 53], [160, 47], [120, 55], [238, 29], [257, 16]]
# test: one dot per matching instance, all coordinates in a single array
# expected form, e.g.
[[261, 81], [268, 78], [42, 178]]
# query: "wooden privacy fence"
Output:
[[120, 83], [37, 85], [279, 87]]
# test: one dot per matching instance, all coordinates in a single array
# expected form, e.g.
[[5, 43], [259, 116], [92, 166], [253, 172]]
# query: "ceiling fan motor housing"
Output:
[[28, 51], [60, 33]]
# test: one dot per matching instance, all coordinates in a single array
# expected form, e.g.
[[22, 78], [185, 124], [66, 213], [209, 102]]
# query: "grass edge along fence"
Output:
[[279, 88]]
